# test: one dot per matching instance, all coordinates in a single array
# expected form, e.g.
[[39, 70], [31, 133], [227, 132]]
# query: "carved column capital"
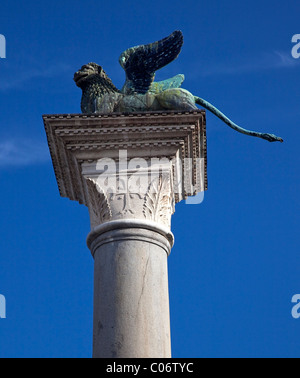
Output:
[[145, 194], [134, 166]]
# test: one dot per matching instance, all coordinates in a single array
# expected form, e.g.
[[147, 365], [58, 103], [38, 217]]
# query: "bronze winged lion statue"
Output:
[[140, 92]]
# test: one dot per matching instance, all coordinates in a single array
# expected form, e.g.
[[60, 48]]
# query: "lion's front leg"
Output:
[[107, 103]]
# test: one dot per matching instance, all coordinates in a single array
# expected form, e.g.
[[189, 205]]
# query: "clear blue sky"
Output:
[[235, 264]]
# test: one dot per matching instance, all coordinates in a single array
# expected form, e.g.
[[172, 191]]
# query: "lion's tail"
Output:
[[216, 112]]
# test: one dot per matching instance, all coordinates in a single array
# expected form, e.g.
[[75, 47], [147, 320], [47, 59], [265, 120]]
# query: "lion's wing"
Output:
[[141, 62]]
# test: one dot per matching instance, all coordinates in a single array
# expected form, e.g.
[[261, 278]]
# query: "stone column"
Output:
[[129, 171], [130, 249], [131, 299]]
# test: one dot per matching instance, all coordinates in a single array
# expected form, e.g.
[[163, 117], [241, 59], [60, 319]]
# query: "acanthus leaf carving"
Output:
[[158, 200], [99, 205]]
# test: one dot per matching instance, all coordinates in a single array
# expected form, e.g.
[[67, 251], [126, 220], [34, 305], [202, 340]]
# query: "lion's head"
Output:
[[88, 71]]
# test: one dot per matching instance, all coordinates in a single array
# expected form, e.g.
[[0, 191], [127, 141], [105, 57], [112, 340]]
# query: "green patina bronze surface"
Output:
[[160, 86], [140, 92]]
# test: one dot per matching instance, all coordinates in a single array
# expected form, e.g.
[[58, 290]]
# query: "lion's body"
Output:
[[170, 99], [99, 95]]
